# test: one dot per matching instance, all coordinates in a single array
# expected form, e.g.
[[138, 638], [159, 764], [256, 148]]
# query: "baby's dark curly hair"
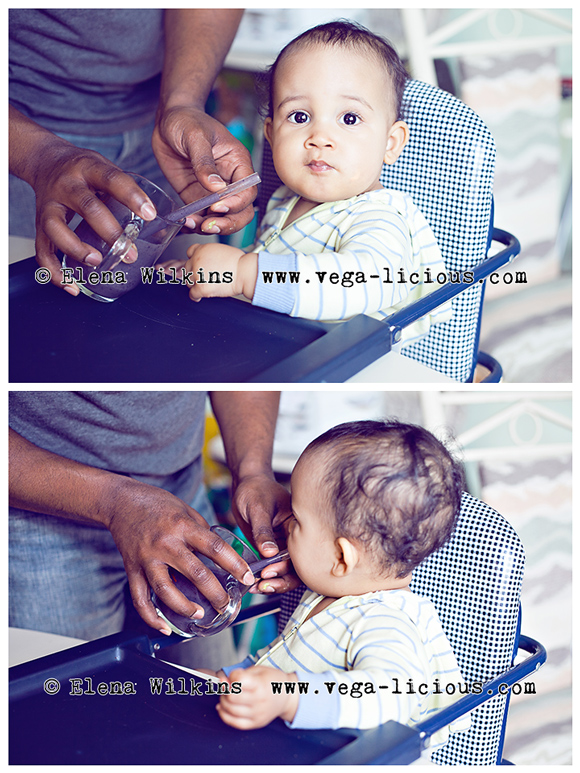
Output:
[[392, 487], [343, 33]]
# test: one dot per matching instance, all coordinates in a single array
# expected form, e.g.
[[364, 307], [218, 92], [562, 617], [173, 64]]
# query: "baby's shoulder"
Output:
[[388, 198]]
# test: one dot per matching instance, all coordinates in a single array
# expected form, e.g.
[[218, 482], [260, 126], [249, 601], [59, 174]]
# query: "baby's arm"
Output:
[[372, 264], [360, 276], [219, 270], [254, 704]]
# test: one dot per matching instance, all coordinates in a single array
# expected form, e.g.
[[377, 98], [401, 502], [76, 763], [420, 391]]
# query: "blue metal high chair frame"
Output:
[[474, 582], [447, 168]]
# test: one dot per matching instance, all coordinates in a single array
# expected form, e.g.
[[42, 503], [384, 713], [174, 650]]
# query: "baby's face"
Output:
[[332, 122], [311, 542]]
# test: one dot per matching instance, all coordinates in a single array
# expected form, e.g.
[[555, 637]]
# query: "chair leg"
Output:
[[488, 369]]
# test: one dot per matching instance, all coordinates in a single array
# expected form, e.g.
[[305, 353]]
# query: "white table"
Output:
[[395, 368], [25, 645]]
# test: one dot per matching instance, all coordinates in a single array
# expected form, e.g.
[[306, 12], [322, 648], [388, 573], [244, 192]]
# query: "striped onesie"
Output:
[[379, 236], [387, 647]]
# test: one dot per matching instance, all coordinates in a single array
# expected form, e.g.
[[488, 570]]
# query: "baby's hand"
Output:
[[256, 705], [219, 270], [169, 264], [210, 672]]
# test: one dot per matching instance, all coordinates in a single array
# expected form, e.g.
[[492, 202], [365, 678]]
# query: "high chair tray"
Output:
[[155, 333], [141, 724]]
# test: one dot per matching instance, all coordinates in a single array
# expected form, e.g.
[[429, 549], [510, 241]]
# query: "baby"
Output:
[[370, 501], [333, 119]]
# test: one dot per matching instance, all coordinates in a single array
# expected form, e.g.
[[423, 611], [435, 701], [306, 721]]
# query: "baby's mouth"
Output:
[[319, 166]]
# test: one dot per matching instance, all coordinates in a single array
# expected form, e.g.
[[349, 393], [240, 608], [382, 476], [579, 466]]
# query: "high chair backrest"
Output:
[[447, 168], [474, 582]]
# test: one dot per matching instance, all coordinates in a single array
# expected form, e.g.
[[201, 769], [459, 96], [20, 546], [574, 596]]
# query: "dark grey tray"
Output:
[[156, 334]]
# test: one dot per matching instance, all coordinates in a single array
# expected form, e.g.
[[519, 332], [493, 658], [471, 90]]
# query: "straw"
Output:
[[257, 566], [213, 198]]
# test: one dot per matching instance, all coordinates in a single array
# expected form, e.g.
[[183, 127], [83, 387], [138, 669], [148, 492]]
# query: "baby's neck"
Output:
[[368, 582], [324, 602], [391, 584], [301, 207], [396, 583]]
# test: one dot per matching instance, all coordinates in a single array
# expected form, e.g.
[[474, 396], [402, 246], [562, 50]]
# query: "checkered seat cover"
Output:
[[447, 168], [474, 582]]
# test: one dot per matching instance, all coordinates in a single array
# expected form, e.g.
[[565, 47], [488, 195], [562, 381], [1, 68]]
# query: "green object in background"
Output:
[[244, 238], [240, 543], [241, 133], [265, 629]]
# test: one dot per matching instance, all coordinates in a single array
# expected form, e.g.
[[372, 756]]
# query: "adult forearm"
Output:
[[196, 44], [44, 482], [26, 141], [195, 151], [247, 422]]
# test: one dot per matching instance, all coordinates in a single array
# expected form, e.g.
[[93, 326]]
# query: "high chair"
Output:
[[474, 582], [447, 168]]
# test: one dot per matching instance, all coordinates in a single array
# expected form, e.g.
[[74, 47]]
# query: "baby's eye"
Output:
[[350, 119], [299, 117], [291, 522]]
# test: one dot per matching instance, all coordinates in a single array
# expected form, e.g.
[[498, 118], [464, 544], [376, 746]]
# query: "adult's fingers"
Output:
[[198, 537], [81, 189]]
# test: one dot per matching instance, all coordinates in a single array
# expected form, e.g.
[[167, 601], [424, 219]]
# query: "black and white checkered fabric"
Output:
[[474, 582], [288, 603], [447, 168]]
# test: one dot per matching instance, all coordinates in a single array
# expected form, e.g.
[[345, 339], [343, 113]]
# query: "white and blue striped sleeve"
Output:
[[384, 653], [360, 276]]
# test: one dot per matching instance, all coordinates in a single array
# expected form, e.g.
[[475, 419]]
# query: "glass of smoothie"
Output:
[[113, 278]]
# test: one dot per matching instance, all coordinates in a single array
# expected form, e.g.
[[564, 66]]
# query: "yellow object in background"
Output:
[[212, 469]]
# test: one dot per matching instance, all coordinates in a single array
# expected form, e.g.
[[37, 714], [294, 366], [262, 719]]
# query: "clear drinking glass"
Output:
[[212, 621], [113, 278]]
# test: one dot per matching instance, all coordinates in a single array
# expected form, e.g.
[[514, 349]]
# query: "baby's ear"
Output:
[[398, 138], [268, 129], [347, 557]]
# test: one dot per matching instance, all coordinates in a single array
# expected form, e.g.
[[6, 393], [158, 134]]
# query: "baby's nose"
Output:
[[320, 137]]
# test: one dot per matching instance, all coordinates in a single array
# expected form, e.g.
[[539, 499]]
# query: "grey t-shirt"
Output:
[[86, 71], [155, 437]]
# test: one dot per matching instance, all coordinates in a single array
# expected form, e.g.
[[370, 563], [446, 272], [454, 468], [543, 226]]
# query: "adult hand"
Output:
[[198, 154], [258, 503], [72, 180], [155, 530], [67, 179], [247, 422]]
